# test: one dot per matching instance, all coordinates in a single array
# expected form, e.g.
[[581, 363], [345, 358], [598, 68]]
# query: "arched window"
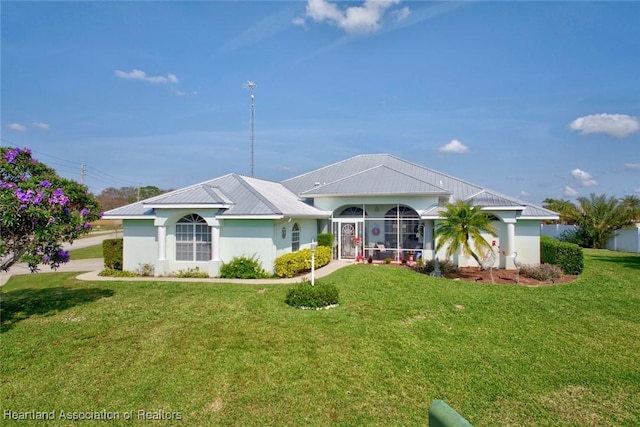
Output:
[[352, 211], [295, 238], [193, 239]]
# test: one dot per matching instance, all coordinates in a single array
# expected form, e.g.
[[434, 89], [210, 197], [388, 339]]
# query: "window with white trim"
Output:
[[295, 238], [193, 239]]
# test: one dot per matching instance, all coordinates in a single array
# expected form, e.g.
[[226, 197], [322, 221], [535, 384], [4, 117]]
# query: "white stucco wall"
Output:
[[527, 243], [246, 238], [308, 232], [140, 245]]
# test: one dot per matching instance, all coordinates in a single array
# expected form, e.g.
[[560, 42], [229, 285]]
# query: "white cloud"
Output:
[[454, 146], [41, 125], [354, 19], [401, 14], [298, 21], [17, 127], [619, 125], [637, 190], [141, 75], [523, 193], [632, 165], [584, 178], [568, 191]]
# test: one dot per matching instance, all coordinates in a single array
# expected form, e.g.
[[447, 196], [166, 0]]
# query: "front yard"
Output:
[[218, 354]]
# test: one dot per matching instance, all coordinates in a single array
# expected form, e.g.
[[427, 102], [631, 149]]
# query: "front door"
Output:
[[347, 240]]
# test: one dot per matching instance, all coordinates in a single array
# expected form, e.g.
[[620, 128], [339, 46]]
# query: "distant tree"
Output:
[[633, 204], [598, 216], [40, 211], [564, 208], [111, 198], [462, 225]]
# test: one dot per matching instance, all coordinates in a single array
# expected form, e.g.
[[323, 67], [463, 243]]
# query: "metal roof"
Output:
[[421, 180], [378, 180], [234, 194], [366, 175]]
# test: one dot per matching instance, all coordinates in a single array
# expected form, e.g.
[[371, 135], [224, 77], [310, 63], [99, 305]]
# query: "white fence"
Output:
[[555, 230], [623, 240]]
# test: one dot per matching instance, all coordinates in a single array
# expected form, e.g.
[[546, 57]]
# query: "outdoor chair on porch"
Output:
[[382, 252]]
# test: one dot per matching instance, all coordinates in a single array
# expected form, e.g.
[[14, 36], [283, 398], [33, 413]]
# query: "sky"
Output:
[[531, 99]]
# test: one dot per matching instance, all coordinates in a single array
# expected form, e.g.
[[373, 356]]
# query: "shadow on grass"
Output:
[[626, 261], [21, 304]]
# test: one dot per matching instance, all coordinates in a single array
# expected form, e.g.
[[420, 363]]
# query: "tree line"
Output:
[[597, 217], [111, 198]]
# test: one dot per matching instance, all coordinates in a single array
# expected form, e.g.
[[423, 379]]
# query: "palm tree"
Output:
[[633, 204], [462, 225], [565, 208], [599, 216]]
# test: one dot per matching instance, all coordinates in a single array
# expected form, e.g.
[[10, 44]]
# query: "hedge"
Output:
[[292, 264], [325, 239], [112, 252], [568, 256]]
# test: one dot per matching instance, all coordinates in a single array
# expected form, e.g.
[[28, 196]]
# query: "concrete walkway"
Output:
[[91, 268]]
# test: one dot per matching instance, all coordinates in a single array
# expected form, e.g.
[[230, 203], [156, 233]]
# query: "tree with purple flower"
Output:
[[39, 211]]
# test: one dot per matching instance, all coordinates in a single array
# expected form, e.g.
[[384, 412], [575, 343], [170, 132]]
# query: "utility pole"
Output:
[[251, 86]]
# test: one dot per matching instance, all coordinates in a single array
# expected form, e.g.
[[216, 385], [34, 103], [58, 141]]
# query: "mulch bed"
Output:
[[505, 277]]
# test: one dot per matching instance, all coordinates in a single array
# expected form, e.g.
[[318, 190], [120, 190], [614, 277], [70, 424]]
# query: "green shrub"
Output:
[[243, 268], [191, 273], [568, 256], [303, 295], [542, 272], [387, 260], [146, 269], [292, 264], [110, 272], [325, 239], [427, 267], [112, 253]]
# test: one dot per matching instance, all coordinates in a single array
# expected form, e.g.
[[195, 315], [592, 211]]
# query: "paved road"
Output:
[[73, 265]]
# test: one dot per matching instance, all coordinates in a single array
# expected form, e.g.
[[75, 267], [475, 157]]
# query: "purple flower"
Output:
[[11, 154], [46, 258], [63, 255], [87, 225], [22, 207], [58, 197], [45, 184], [84, 212], [51, 219]]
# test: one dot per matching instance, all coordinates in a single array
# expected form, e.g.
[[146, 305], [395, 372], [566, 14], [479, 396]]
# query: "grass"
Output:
[[88, 252], [221, 354]]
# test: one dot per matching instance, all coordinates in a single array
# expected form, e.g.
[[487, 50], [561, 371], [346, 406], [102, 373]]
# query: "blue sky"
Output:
[[532, 99]]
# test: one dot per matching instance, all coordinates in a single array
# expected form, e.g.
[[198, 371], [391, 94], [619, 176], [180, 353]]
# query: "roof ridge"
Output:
[[248, 186]]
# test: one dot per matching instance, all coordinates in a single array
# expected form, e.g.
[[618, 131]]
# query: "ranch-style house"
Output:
[[375, 205]]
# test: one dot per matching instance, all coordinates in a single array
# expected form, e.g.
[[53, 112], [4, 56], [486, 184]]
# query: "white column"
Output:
[[428, 235], [215, 243], [162, 242], [511, 241]]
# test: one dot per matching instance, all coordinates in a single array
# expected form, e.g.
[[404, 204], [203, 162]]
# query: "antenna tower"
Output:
[[251, 86]]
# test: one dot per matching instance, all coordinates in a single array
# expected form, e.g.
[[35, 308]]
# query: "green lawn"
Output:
[[89, 252], [564, 355]]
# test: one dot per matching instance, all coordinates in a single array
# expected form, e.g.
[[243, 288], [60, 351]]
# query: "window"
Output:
[[193, 239], [353, 211], [295, 238]]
